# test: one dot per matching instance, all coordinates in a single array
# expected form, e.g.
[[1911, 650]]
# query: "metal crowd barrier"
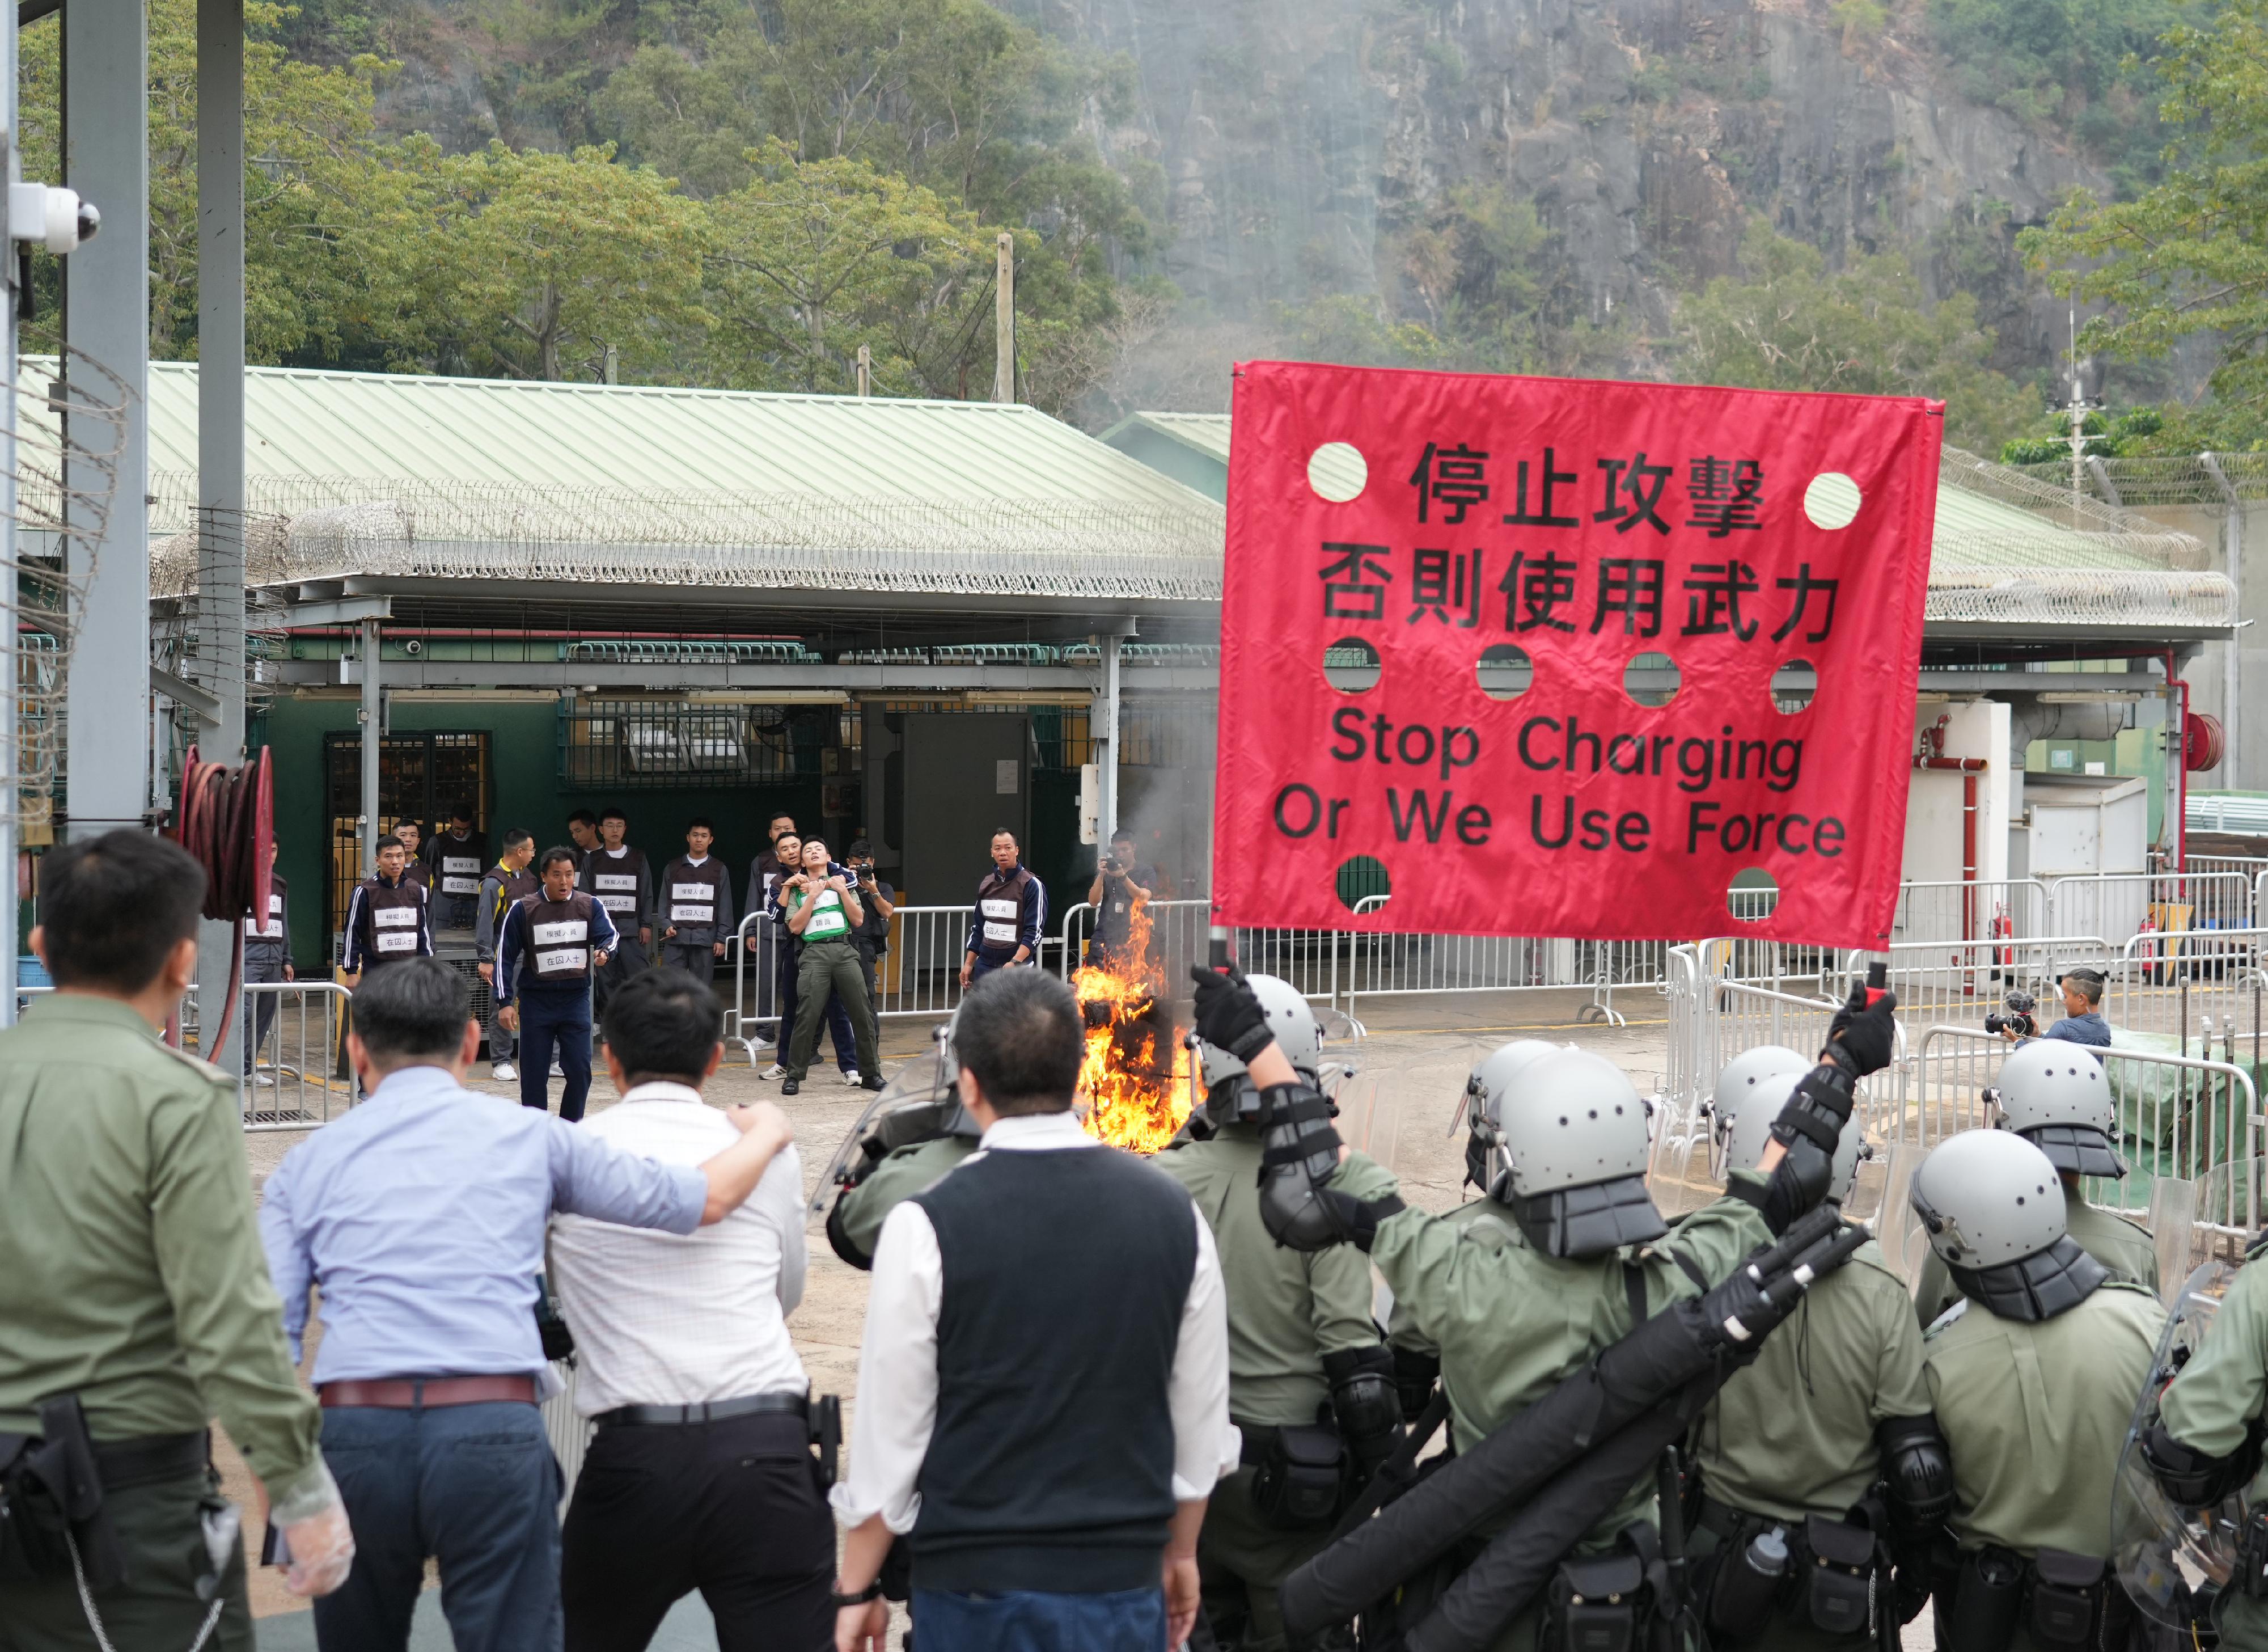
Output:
[[1390, 964], [920, 975], [2207, 981], [1946, 981], [2179, 1116], [2120, 905], [570, 1433], [1960, 909], [292, 1031]]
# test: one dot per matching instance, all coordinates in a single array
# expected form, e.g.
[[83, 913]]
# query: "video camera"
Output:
[[2014, 1016]]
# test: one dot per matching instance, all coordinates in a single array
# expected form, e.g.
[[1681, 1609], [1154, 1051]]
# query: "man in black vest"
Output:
[[385, 917], [553, 943], [266, 961], [456, 857], [1049, 1447], [619, 877], [1012, 910], [505, 885], [693, 904]]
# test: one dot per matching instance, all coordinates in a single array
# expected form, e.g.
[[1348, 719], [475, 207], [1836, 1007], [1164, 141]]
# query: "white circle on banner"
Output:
[[1832, 501], [1336, 472]]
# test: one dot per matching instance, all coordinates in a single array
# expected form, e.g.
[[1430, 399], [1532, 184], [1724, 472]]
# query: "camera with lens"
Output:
[[1108, 866], [2014, 1016]]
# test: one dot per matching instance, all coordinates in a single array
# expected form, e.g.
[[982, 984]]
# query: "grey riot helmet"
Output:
[[2056, 1096], [1574, 1144], [1745, 1133], [1994, 1207], [1487, 1089], [1230, 1094], [1750, 1068]]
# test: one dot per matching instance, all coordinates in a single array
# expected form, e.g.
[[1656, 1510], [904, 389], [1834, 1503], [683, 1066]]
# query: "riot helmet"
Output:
[[1748, 1129], [1749, 1070], [1993, 1208], [1230, 1094], [1487, 1089], [1574, 1143], [2056, 1096]]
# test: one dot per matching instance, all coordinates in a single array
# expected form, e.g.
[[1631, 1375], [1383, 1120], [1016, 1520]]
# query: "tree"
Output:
[[2190, 256], [1794, 325], [541, 254], [814, 258]]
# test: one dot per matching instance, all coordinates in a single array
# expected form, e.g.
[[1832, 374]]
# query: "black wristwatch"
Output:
[[838, 1600]]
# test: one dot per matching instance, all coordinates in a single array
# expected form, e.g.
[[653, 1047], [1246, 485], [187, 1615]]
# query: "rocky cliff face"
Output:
[[1301, 141]]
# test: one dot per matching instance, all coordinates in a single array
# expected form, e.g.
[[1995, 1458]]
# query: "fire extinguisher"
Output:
[[2004, 928], [2148, 955]]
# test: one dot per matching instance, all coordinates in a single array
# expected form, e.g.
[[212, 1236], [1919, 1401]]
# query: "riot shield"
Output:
[[2170, 1559], [924, 1085]]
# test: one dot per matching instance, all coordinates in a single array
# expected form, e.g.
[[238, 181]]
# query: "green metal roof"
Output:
[[656, 440]]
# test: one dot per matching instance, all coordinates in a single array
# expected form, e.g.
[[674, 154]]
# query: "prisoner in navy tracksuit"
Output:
[[692, 912], [1012, 910], [543, 968], [267, 959]]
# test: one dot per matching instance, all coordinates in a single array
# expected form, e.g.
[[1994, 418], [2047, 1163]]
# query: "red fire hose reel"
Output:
[[2204, 741], [226, 818]]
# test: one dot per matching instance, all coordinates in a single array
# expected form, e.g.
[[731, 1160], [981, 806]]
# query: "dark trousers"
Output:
[[730, 1508], [828, 982], [868, 963], [789, 966], [1028, 1620], [156, 1605], [475, 1487], [986, 963], [628, 959], [555, 1018], [259, 972], [696, 958]]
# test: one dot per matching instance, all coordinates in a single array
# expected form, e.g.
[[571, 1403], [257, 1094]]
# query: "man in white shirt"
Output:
[[1047, 1447], [701, 1474]]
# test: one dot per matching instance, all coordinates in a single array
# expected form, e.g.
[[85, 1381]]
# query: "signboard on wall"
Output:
[[1546, 657]]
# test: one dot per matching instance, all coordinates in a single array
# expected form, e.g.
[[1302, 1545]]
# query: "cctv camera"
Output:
[[55, 219]]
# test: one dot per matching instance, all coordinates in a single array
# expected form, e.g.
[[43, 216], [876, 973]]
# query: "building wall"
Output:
[[2247, 762]]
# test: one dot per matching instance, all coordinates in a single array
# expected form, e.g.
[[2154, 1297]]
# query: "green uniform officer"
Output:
[[1512, 1322], [2206, 1447], [1793, 1445], [2056, 1096], [132, 1287], [856, 1222], [1301, 1345], [2033, 1381]]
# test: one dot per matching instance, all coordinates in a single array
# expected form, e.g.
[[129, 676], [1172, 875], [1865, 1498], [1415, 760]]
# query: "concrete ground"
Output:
[[1411, 1071]]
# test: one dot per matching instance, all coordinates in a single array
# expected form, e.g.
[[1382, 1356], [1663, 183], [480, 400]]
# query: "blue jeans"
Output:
[[554, 1017], [1024, 1620], [475, 1486]]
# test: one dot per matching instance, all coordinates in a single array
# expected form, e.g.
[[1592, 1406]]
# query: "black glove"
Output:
[[1863, 1036], [1229, 1015], [1910, 1581]]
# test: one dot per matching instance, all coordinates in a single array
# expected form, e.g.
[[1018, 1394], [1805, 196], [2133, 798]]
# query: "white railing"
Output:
[[2178, 1116], [920, 974], [1957, 981], [2118, 904], [1961, 910], [292, 1032], [1384, 965], [2190, 982], [1178, 937]]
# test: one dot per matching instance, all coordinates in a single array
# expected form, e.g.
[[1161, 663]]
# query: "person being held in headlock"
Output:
[[1309, 1384], [786, 949], [823, 913], [505, 885], [1819, 1479], [2059, 1099], [2034, 1379], [1512, 1322], [134, 1305], [693, 904]]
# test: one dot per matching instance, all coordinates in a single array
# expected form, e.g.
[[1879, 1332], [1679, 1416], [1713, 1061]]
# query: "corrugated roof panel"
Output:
[[301, 422]]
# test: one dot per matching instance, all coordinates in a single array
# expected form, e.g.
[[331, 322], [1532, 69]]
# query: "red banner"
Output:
[[1543, 657]]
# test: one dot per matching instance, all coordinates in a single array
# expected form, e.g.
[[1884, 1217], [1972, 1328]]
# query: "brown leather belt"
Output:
[[407, 1393]]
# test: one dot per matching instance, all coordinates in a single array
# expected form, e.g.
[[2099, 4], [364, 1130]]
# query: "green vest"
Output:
[[828, 921]]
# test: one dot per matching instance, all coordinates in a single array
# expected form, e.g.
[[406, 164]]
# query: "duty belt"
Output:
[[122, 1464], [705, 1411]]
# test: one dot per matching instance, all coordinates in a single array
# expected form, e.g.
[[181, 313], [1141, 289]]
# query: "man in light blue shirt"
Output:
[[420, 1217]]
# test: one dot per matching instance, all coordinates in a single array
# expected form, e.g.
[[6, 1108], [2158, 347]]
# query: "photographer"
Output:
[[2082, 1022], [1121, 884], [881, 902]]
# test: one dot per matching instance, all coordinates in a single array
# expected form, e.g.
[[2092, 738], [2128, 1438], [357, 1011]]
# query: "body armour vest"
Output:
[[394, 915], [269, 929], [692, 896], [616, 882], [559, 936], [459, 862]]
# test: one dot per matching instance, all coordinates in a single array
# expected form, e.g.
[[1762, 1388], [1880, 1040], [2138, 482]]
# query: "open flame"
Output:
[[1136, 1074]]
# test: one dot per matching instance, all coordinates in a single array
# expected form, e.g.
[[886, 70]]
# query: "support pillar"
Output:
[[106, 60], [2232, 665], [11, 747], [220, 441], [1103, 734], [372, 717]]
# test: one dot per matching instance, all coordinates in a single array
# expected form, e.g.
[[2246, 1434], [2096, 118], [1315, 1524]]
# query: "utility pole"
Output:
[[1004, 322], [866, 370]]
